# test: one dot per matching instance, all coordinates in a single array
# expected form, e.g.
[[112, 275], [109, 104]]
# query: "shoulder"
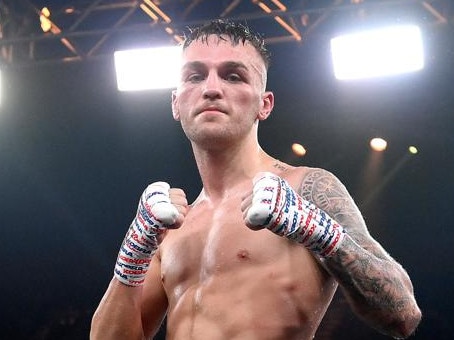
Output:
[[327, 192], [323, 188], [317, 181], [309, 181], [319, 186]]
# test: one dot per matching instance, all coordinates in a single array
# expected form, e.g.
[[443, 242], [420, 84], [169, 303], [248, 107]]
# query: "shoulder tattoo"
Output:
[[326, 191]]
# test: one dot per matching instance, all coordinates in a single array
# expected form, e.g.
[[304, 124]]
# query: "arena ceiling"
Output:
[[83, 30]]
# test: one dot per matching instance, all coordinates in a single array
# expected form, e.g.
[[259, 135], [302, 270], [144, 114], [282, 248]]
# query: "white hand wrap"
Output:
[[141, 241], [276, 206]]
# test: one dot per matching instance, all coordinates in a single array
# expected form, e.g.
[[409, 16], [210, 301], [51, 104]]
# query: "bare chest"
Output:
[[211, 241], [215, 242]]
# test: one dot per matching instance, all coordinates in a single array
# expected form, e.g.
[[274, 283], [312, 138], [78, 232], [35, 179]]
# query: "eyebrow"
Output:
[[227, 64]]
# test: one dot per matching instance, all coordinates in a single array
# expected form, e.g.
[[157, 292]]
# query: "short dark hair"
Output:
[[237, 32]]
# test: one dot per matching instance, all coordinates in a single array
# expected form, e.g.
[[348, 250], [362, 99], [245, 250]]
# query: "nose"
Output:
[[212, 88]]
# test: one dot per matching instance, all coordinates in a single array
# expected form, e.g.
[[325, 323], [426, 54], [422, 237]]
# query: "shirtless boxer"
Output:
[[261, 251]]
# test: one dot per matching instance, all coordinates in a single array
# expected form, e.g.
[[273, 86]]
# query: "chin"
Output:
[[211, 141]]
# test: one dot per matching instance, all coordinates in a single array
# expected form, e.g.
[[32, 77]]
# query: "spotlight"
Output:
[[298, 149], [413, 150], [149, 68], [46, 24], [378, 144], [376, 53]]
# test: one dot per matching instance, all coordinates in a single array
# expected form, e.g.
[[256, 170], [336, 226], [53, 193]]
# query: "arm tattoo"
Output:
[[329, 194], [373, 281]]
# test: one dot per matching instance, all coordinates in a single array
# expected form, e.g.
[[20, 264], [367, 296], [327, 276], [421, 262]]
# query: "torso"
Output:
[[224, 281]]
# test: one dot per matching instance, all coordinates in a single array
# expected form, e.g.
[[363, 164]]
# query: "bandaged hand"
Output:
[[160, 208], [274, 205]]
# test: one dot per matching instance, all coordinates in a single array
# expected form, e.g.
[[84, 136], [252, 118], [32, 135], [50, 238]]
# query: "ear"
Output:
[[175, 111], [267, 105]]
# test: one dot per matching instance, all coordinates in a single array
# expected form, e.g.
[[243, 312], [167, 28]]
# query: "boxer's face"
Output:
[[221, 93]]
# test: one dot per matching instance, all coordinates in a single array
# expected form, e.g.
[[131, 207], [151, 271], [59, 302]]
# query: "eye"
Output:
[[233, 77], [195, 77]]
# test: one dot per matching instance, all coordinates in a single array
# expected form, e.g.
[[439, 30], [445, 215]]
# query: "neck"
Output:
[[223, 170]]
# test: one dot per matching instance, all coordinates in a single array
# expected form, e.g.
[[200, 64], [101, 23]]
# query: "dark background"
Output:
[[75, 155]]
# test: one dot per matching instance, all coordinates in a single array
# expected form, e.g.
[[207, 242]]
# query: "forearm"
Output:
[[327, 222], [378, 288], [121, 311], [118, 315]]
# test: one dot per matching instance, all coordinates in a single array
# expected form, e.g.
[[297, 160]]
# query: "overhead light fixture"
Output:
[[378, 144], [298, 149], [148, 68], [376, 53], [48, 26], [413, 149], [44, 19]]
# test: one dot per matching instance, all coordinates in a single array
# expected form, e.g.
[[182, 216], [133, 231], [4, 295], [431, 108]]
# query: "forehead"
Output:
[[218, 50]]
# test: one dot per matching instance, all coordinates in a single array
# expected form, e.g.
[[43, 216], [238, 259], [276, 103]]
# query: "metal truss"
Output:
[[83, 30]]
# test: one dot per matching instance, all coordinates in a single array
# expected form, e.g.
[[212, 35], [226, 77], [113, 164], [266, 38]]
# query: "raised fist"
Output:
[[273, 204], [160, 208], [262, 202]]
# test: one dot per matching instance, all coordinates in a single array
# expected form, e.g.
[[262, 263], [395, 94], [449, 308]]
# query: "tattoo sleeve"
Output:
[[376, 286]]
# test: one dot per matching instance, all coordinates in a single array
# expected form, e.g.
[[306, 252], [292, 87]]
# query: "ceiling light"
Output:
[[376, 53], [378, 144]]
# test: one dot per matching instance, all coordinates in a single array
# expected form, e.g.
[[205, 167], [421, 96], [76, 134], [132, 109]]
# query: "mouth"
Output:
[[213, 109]]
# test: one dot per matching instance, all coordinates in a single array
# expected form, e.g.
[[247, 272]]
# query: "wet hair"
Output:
[[236, 32]]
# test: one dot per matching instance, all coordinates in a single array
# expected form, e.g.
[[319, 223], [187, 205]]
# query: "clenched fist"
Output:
[[273, 204], [160, 208]]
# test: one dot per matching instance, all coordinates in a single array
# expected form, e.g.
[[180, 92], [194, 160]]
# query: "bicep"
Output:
[[327, 192], [154, 299]]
